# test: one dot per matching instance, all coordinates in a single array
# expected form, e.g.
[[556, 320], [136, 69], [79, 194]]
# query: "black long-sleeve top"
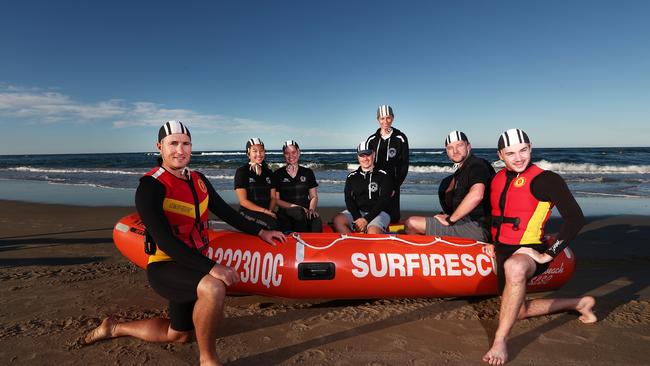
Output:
[[368, 191], [149, 202], [550, 187], [391, 154]]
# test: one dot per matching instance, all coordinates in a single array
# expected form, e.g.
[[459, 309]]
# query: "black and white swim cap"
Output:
[[253, 141], [454, 136], [363, 149], [290, 143], [171, 127], [511, 137], [384, 111]]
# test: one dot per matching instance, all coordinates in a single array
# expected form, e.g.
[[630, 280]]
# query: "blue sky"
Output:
[[87, 76]]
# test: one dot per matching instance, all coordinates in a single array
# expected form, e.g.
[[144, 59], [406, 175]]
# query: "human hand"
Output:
[[226, 274], [537, 256], [489, 250], [361, 224], [312, 214], [269, 235], [442, 218]]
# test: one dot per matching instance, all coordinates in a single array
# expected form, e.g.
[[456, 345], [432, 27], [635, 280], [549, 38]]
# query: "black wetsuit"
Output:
[[296, 190], [176, 280], [547, 187]]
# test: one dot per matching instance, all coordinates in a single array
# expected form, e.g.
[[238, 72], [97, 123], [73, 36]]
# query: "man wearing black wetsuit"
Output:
[[391, 155], [465, 198], [522, 196], [173, 203]]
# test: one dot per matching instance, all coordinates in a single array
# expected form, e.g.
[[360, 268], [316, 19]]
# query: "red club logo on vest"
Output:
[[204, 189], [520, 182]]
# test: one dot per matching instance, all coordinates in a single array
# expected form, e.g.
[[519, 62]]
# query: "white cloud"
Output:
[[37, 105]]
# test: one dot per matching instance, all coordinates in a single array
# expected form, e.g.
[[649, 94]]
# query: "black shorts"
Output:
[[177, 284], [503, 252]]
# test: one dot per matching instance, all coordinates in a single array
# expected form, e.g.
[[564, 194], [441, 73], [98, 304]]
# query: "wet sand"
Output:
[[60, 274]]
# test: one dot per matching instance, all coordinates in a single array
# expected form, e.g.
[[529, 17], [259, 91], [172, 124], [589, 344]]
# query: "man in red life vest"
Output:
[[173, 202], [522, 196]]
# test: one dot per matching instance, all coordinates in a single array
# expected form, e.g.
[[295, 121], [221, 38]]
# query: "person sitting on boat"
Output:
[[254, 187], [522, 197], [173, 203], [391, 154], [297, 194], [367, 197], [464, 196]]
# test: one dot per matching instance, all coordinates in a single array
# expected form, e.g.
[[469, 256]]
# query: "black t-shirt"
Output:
[[474, 170], [258, 187], [295, 190]]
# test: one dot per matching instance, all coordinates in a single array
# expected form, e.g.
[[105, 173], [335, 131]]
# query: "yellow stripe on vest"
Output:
[[533, 232], [184, 208]]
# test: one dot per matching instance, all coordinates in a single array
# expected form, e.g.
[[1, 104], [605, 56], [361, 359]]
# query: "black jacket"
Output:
[[391, 155], [368, 191]]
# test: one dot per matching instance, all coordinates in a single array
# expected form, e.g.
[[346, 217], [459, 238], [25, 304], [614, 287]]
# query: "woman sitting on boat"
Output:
[[296, 195], [254, 187]]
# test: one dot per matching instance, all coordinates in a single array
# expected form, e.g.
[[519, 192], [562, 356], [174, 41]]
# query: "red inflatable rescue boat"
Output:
[[330, 265]]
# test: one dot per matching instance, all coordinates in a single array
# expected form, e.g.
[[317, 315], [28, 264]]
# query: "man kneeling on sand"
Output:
[[522, 196]]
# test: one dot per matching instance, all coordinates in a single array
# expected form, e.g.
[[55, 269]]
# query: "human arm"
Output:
[[219, 207], [149, 198], [550, 187], [402, 167], [313, 203], [350, 202], [473, 198]]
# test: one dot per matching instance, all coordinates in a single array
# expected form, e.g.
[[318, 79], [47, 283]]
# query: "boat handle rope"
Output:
[[436, 240]]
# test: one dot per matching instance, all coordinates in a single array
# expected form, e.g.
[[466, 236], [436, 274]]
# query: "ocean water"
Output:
[[619, 172]]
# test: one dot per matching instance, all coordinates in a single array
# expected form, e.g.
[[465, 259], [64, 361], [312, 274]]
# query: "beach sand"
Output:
[[60, 274]]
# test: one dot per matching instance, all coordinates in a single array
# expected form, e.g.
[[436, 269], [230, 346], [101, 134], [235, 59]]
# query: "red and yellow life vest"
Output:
[[182, 208], [524, 216]]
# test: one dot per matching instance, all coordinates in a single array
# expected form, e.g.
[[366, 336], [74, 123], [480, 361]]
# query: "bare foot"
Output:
[[103, 331], [585, 307], [498, 354]]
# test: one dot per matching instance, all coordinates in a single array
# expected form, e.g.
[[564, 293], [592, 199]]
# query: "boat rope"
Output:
[[436, 240]]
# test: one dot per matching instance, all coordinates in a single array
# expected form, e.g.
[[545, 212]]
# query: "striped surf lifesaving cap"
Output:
[[290, 143], [511, 137], [384, 111], [254, 141], [171, 127], [455, 136]]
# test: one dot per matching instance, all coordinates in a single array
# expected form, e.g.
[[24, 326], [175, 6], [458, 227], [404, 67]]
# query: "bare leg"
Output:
[[341, 224], [415, 225], [375, 230], [538, 307], [150, 330], [517, 269], [208, 313]]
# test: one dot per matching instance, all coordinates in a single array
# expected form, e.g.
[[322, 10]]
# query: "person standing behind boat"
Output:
[[465, 196], [297, 195], [522, 197], [254, 187], [367, 196], [173, 203], [391, 154]]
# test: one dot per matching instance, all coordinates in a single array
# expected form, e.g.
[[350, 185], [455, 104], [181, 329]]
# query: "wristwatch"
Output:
[[448, 219]]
